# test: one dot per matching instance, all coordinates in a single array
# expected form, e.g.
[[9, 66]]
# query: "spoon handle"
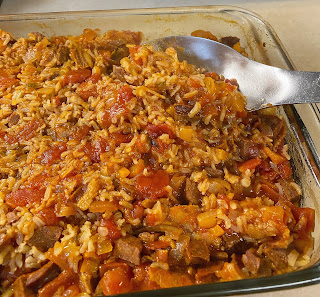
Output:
[[304, 87]]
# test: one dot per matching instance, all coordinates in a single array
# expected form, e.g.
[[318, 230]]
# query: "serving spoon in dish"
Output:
[[263, 85]]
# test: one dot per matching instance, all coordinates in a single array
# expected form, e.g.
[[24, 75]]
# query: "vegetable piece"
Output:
[[76, 76], [24, 197], [50, 155], [250, 164], [113, 230], [117, 281], [92, 190], [65, 279], [153, 186], [275, 158]]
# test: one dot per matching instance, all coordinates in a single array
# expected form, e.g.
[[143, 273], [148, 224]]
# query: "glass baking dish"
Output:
[[261, 44]]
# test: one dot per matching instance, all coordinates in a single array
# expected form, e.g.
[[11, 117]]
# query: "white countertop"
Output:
[[297, 24]]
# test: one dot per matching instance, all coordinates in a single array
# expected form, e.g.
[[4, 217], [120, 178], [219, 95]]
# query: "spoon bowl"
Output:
[[263, 85]]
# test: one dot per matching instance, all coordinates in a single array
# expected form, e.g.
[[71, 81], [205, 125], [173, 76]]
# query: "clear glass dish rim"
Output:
[[290, 280]]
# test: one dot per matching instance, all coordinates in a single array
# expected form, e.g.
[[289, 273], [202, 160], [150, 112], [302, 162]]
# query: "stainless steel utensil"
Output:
[[263, 85]]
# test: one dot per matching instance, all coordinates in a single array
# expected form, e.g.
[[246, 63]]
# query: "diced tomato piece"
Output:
[[116, 281], [49, 216], [26, 132], [213, 75], [79, 132], [194, 83], [65, 278], [250, 164], [141, 278], [86, 89], [39, 182], [133, 50], [113, 230], [56, 100], [76, 76], [24, 197], [6, 81], [230, 271], [284, 169], [125, 94], [119, 108], [308, 213], [151, 219], [121, 138], [95, 149], [155, 131], [153, 186], [137, 211], [53, 153], [94, 78]]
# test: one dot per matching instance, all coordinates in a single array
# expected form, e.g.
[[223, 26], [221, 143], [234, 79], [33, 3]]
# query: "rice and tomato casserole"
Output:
[[124, 169]]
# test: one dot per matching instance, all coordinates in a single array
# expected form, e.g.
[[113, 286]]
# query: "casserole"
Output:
[[260, 43]]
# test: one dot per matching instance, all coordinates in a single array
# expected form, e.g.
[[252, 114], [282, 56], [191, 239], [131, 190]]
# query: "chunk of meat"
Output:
[[234, 243], [181, 112], [190, 193], [42, 276], [119, 73], [248, 149], [251, 261], [13, 119], [229, 40], [128, 249], [273, 127], [278, 258], [45, 237], [197, 252]]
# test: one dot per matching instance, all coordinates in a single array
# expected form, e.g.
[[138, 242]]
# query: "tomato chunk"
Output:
[[25, 133], [6, 81], [117, 281], [153, 186], [308, 213], [86, 89], [119, 108], [24, 197], [155, 131], [49, 216], [95, 149], [53, 153], [133, 51], [250, 164], [76, 76], [113, 230]]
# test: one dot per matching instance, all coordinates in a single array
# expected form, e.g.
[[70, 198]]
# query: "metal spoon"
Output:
[[263, 85]]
